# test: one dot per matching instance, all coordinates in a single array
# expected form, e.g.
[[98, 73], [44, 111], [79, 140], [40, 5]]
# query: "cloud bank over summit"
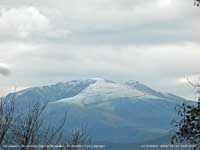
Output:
[[155, 42]]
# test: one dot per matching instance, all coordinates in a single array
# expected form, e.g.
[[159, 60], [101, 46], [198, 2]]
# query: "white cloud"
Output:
[[21, 22], [28, 23]]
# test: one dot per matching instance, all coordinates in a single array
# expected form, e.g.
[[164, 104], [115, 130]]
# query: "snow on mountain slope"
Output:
[[51, 92], [89, 91], [149, 92], [102, 91], [143, 88], [115, 112]]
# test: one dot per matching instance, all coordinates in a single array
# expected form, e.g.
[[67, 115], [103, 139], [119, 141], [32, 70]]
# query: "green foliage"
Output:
[[188, 126]]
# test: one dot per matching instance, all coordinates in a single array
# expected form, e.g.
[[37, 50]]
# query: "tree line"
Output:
[[28, 130]]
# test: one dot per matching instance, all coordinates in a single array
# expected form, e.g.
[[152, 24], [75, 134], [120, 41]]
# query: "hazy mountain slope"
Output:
[[114, 112], [51, 92]]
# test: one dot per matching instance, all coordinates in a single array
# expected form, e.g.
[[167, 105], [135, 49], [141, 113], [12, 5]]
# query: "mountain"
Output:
[[129, 112], [50, 93]]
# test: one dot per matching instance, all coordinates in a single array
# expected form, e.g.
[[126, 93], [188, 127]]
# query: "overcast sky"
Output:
[[156, 42]]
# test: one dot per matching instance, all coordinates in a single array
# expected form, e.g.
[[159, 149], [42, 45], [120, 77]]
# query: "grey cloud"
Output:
[[120, 39], [161, 66], [116, 21], [4, 70]]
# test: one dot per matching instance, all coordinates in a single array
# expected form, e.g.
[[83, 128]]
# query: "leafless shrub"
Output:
[[6, 117], [30, 131]]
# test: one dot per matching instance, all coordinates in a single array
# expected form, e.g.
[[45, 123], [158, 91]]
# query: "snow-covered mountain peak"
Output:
[[151, 92], [103, 91], [143, 88], [90, 91], [133, 82], [98, 79]]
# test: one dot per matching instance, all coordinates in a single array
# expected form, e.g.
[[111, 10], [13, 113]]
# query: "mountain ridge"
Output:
[[115, 112], [74, 87]]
